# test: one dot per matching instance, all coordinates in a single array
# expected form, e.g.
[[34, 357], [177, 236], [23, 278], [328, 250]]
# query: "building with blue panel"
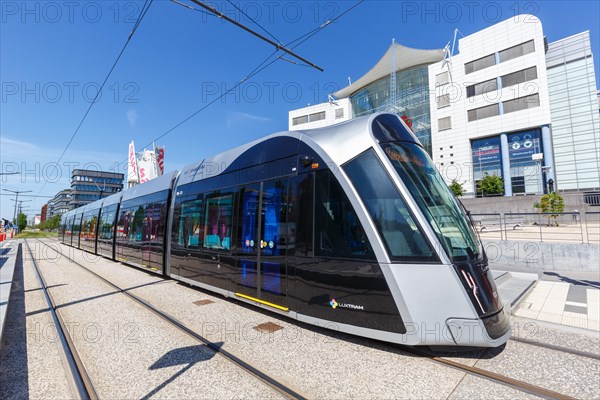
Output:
[[506, 103]]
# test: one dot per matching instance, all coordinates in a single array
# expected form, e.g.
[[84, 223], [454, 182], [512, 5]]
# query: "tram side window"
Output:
[[218, 222], [190, 232], [137, 225], [107, 221], [338, 232], [123, 225], [300, 215], [162, 210], [396, 226]]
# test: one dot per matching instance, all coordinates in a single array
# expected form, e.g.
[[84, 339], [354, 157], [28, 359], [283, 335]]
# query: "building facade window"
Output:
[[483, 112], [524, 172], [412, 97], [480, 63], [317, 116], [487, 158], [517, 51], [339, 113], [443, 101], [300, 120], [521, 103], [442, 79], [482, 87], [444, 124], [515, 78]]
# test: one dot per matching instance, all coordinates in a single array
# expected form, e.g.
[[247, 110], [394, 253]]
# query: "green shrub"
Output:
[[457, 188], [491, 185]]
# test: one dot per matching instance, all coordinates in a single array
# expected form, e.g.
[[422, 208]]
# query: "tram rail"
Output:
[[517, 384], [78, 376], [276, 385]]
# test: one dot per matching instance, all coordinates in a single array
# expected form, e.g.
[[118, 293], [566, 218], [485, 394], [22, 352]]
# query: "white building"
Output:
[[507, 104], [490, 114], [574, 112], [320, 115]]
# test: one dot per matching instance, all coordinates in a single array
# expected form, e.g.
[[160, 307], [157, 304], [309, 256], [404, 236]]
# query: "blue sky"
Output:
[[55, 54]]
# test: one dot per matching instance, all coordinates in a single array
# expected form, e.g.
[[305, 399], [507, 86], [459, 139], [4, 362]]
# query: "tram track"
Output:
[[554, 347], [517, 384], [266, 379], [77, 375], [492, 376]]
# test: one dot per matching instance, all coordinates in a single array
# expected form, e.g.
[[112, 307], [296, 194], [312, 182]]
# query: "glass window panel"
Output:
[[107, 220], [483, 112], [442, 79], [444, 123], [317, 116], [300, 120], [434, 199], [517, 51], [403, 239], [480, 64], [191, 231], [481, 88], [443, 101], [218, 222], [521, 103], [338, 232]]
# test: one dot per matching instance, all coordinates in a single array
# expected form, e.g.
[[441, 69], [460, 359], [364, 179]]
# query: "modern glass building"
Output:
[[574, 112], [88, 186], [508, 103], [411, 100], [374, 92]]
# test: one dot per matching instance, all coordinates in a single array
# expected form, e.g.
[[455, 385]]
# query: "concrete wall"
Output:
[[516, 204], [544, 256]]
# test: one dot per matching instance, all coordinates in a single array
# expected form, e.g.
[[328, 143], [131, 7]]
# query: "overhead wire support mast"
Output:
[[278, 46]]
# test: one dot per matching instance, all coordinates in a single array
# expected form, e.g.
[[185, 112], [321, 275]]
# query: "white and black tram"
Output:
[[349, 227]]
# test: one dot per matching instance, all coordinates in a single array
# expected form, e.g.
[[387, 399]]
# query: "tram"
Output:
[[348, 227]]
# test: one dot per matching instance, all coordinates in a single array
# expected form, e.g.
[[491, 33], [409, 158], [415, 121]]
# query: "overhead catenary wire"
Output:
[[193, 8], [259, 68], [278, 46], [255, 22]]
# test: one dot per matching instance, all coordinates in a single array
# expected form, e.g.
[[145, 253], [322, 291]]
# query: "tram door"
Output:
[[262, 267]]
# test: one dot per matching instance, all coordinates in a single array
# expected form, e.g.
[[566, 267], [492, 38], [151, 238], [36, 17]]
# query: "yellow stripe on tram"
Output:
[[262, 302]]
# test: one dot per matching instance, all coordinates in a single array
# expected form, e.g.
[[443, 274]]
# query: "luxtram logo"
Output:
[[334, 304]]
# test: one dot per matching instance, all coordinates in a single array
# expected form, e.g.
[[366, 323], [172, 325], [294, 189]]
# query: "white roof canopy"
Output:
[[406, 57]]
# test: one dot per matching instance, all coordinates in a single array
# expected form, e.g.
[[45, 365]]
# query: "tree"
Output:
[[51, 223], [457, 188], [491, 185], [21, 222], [551, 203]]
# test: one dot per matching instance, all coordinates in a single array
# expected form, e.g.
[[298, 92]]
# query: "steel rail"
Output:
[[561, 349], [79, 379], [492, 376], [262, 376]]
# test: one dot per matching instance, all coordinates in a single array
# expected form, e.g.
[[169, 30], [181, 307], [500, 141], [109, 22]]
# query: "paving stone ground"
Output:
[[318, 363]]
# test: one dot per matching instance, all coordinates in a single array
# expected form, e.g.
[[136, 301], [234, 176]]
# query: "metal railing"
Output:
[[569, 227]]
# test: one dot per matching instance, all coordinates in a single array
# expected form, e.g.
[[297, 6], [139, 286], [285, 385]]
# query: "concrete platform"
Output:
[[563, 303], [8, 257], [513, 286]]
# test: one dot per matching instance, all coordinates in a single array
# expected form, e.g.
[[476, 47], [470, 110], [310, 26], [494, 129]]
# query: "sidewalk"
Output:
[[585, 278], [570, 298], [8, 258]]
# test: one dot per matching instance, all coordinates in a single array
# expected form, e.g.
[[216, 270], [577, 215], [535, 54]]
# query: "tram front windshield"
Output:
[[434, 198]]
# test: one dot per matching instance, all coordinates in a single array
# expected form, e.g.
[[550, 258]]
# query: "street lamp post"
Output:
[[16, 200]]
